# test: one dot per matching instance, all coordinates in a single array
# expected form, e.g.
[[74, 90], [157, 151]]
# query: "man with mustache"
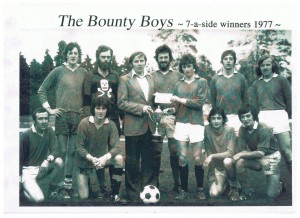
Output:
[[39, 158], [165, 79]]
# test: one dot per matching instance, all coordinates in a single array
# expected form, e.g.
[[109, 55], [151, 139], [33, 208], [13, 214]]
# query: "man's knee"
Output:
[[240, 165], [197, 160], [83, 195], [214, 192], [63, 152], [183, 161], [38, 199], [118, 161], [59, 162], [34, 196], [228, 163]]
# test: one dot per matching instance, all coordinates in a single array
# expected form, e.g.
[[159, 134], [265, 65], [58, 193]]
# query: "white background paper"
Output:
[[36, 22]]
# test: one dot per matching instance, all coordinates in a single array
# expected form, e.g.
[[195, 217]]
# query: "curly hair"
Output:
[[69, 47], [163, 49]]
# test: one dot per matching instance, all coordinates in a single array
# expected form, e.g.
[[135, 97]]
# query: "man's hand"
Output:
[[236, 157], [147, 109], [175, 98], [266, 165], [207, 161], [102, 161], [43, 170], [92, 159], [170, 110], [58, 112]]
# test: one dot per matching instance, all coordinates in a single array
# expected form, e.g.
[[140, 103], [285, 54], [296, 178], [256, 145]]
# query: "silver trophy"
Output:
[[160, 98], [156, 116]]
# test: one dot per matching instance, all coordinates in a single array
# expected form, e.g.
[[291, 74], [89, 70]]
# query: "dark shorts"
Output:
[[67, 125], [86, 171]]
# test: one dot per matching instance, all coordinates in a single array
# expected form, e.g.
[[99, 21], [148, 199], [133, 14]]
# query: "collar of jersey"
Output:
[[254, 126], [196, 77], [92, 120], [34, 130], [274, 75], [221, 72]]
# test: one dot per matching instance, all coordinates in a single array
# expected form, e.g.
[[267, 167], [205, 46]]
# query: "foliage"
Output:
[[180, 41], [59, 58], [255, 43], [87, 63], [36, 77], [24, 85], [250, 45], [47, 64]]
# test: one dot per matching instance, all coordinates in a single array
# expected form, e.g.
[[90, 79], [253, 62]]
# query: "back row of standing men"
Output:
[[101, 94]]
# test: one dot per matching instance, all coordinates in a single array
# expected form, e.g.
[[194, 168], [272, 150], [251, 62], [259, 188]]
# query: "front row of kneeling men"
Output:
[[256, 149], [97, 139]]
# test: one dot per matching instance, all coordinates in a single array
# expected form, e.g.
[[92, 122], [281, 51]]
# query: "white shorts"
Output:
[[220, 172], [29, 172], [189, 132], [234, 121], [276, 119], [274, 161]]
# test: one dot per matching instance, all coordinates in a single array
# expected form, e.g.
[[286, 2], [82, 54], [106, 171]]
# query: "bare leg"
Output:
[[273, 185], [284, 141], [83, 186], [32, 191], [217, 187]]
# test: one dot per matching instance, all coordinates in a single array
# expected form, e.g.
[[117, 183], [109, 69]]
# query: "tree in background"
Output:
[[47, 64], [255, 43], [180, 41], [124, 67], [87, 63], [59, 57], [36, 79], [31, 77], [249, 46], [114, 65], [24, 85]]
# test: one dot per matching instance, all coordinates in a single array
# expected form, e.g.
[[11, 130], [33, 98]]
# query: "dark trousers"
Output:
[[140, 169]]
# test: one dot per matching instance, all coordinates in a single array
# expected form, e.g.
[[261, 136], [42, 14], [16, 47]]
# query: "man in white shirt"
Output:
[[135, 98]]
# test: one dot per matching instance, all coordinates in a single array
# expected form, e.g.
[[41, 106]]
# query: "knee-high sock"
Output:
[[199, 173], [184, 175], [68, 182], [174, 162], [115, 183], [101, 177]]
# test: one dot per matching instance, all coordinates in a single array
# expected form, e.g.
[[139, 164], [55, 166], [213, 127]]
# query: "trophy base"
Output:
[[156, 138]]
